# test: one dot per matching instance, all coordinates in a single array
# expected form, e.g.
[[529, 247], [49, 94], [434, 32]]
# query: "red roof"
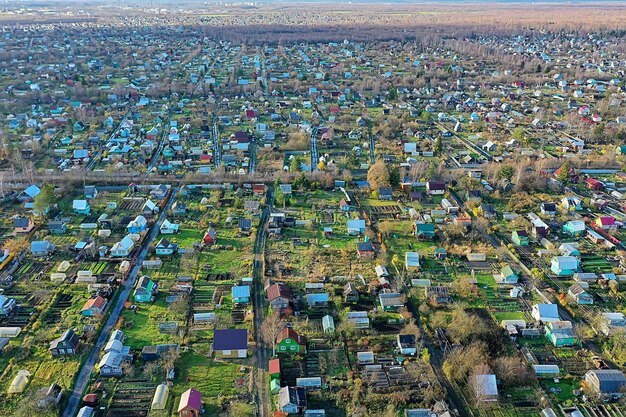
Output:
[[278, 290], [274, 366], [97, 302], [288, 333]]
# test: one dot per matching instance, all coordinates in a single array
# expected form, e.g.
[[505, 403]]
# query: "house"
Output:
[[606, 223], [545, 313], [179, 208], [412, 261], [560, 333], [241, 294], [29, 194], [159, 192], [407, 344], [548, 209], [328, 324], [569, 249], [485, 387], [438, 295], [571, 203], [279, 296], [612, 322], [385, 193], [145, 290], [94, 307], [7, 305], [165, 248], [350, 293], [594, 184], [356, 227], [391, 301], [230, 343], [210, 236], [507, 276], [290, 341], [137, 225], [520, 237], [607, 383], [436, 187], [564, 265], [365, 249], [578, 294], [317, 299], [67, 344], [57, 227], [292, 400], [424, 231], [244, 224], [90, 192], [190, 404], [123, 248], [155, 352], [22, 225], [168, 228], [81, 207], [574, 227], [149, 208], [41, 248]]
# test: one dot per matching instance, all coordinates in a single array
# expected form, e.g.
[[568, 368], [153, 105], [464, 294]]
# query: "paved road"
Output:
[[94, 158], [164, 134], [262, 350], [88, 366]]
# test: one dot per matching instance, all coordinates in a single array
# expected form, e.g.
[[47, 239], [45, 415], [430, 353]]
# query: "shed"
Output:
[[160, 397]]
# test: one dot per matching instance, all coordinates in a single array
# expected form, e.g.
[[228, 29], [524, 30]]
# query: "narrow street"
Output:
[[262, 354], [83, 377]]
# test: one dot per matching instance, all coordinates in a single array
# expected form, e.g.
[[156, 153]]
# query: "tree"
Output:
[[16, 245], [506, 172], [563, 174], [438, 145], [44, 199], [393, 93], [271, 327], [518, 134], [378, 175]]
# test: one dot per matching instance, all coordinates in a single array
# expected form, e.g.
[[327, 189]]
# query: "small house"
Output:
[[545, 313], [607, 383], [230, 343], [274, 368], [594, 184], [438, 294], [520, 237], [123, 248], [241, 294], [548, 209], [365, 249], [94, 307], [356, 227], [81, 207], [317, 300], [22, 225], [391, 301], [578, 294], [574, 227], [137, 225], [90, 192], [424, 231], [612, 322], [436, 187], [168, 228], [210, 236], [560, 333], [292, 400], [407, 344], [41, 248], [279, 296], [350, 293], [290, 341], [165, 248], [507, 276], [66, 344], [7, 305], [57, 227], [564, 265], [145, 290], [190, 404]]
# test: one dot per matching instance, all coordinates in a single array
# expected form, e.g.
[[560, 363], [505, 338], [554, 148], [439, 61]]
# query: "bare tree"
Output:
[[271, 327]]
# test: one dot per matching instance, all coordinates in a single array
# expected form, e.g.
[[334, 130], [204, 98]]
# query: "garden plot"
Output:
[[131, 398]]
